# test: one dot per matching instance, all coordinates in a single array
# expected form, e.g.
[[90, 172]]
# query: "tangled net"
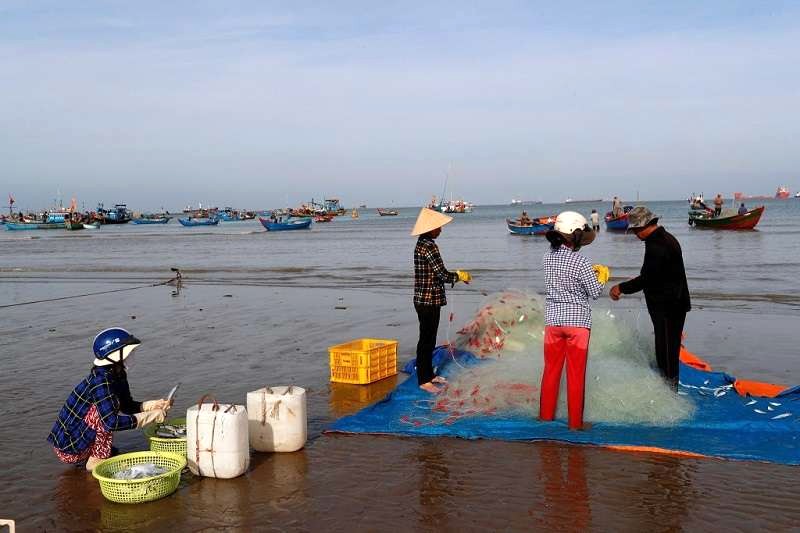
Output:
[[507, 331]]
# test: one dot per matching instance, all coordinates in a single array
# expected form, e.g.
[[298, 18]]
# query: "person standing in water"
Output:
[[101, 403], [595, 216], [666, 292], [570, 282], [430, 275]]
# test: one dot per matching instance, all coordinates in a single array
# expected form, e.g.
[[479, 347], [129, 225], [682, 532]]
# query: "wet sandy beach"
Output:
[[228, 339]]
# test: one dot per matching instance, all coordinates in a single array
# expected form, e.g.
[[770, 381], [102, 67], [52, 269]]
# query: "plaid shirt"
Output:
[[570, 282], [111, 395], [430, 275]]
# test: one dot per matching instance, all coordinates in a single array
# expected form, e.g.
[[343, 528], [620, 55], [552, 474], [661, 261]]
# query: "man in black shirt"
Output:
[[663, 280]]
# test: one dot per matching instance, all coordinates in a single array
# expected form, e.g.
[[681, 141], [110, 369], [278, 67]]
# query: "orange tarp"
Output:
[[742, 386]]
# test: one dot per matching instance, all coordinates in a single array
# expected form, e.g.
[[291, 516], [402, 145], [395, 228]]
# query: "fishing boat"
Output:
[[154, 220], [323, 218], [619, 223], [728, 219], [72, 225], [189, 222], [91, 226], [299, 223], [782, 193], [539, 226], [387, 212], [118, 215], [230, 215], [23, 226]]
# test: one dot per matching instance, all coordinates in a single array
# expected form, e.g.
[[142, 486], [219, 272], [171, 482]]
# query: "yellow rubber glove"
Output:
[[602, 272], [149, 405], [464, 276], [156, 416]]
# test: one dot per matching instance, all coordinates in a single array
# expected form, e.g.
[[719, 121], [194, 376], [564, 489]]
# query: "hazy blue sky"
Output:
[[248, 103]]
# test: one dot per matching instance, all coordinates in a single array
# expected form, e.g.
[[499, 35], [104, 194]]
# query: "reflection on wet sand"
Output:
[[347, 399], [566, 492]]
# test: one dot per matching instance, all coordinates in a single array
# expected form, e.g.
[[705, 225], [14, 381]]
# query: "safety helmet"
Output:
[[574, 228], [113, 345], [569, 221]]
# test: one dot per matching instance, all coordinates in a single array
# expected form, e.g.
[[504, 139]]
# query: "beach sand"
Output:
[[229, 339]]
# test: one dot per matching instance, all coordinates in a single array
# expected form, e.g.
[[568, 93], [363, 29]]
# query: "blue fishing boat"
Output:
[[23, 226], [619, 223], [189, 222], [159, 220], [297, 223], [536, 228]]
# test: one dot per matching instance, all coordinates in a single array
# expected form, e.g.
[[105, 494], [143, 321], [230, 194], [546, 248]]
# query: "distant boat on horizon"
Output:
[[573, 201], [515, 201]]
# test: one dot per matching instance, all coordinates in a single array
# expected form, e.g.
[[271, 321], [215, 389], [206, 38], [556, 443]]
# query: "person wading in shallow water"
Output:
[[570, 281], [430, 275], [663, 280], [102, 403]]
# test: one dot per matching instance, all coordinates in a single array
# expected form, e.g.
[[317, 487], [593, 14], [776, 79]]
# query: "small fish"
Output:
[[759, 411], [751, 402], [705, 382], [770, 408], [776, 404], [720, 392], [782, 415]]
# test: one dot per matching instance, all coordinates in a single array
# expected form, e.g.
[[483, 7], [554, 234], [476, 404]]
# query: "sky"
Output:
[[264, 104]]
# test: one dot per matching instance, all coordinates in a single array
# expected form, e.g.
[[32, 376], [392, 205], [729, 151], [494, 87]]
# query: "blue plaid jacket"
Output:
[[112, 396]]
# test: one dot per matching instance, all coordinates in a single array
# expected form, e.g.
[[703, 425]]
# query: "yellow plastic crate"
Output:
[[363, 361]]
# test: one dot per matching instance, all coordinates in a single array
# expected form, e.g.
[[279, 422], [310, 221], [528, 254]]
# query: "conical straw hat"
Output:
[[429, 220]]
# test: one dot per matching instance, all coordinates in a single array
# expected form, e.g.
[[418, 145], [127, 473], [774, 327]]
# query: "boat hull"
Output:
[[285, 226], [387, 213], [190, 222], [617, 224], [533, 229], [746, 221], [150, 220], [15, 226]]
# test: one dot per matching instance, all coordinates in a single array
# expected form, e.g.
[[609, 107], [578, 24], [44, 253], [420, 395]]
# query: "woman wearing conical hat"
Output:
[[430, 275]]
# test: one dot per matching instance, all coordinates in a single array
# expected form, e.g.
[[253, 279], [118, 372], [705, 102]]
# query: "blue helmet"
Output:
[[113, 345]]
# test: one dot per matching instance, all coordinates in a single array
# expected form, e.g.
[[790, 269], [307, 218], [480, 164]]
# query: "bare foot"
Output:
[[439, 379], [430, 387]]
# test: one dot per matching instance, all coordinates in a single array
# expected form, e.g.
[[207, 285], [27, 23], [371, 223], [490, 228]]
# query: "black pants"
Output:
[[596, 228], [717, 211], [428, 326], [668, 327]]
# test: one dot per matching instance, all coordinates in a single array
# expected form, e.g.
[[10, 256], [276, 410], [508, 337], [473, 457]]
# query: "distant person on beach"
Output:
[[570, 282], [742, 209], [616, 207], [666, 292], [430, 275], [718, 202], [595, 221], [101, 403]]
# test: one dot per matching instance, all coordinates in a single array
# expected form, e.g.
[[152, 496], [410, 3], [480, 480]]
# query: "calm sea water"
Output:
[[748, 271]]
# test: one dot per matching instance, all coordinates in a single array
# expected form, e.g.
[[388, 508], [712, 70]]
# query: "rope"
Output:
[[158, 284]]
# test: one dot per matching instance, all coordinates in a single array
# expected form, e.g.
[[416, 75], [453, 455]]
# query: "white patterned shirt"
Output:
[[569, 281]]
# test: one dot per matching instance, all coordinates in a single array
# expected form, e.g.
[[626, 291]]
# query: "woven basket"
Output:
[[139, 490], [160, 444]]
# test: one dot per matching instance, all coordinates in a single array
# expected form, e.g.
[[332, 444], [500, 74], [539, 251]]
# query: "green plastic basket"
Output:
[[160, 444], [139, 490]]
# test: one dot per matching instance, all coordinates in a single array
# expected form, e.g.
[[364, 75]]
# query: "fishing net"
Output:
[[506, 332]]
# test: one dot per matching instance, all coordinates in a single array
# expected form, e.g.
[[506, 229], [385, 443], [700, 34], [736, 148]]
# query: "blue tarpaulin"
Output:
[[724, 424]]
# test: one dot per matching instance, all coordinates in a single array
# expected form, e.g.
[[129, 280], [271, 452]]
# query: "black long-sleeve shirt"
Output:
[[663, 277]]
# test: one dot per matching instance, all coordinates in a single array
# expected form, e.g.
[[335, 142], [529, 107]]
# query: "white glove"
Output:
[[156, 416]]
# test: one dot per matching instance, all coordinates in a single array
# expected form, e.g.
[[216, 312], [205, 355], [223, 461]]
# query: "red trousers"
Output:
[[572, 344]]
